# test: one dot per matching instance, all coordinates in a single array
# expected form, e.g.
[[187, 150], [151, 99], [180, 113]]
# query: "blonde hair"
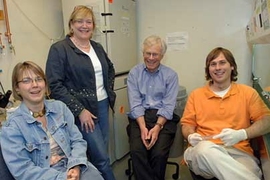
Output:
[[154, 40], [80, 12]]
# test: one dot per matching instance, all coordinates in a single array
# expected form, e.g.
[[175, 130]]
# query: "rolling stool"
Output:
[[176, 150], [130, 173]]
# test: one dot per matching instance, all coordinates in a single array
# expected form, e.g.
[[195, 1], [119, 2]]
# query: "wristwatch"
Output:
[[160, 125]]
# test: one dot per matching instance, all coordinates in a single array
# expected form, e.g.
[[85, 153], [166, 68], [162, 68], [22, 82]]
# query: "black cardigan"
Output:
[[71, 76]]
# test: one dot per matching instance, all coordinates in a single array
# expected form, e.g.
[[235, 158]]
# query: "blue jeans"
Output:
[[97, 141]]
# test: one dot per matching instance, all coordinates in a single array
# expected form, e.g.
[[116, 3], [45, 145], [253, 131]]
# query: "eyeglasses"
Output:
[[148, 54], [29, 80], [81, 21]]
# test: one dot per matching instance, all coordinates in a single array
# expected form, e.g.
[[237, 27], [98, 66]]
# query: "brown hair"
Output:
[[80, 12], [18, 71], [229, 57]]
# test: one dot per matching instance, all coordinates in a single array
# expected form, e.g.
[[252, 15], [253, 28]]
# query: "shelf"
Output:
[[258, 28], [260, 38]]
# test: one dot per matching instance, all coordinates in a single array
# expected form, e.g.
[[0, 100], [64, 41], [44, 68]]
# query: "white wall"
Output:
[[34, 25], [209, 23], [261, 56]]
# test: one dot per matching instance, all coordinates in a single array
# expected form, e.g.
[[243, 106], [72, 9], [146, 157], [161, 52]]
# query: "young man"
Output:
[[152, 92], [217, 122]]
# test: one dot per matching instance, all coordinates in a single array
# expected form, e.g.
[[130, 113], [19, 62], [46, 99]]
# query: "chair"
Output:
[[197, 177], [129, 171], [4, 172], [176, 150]]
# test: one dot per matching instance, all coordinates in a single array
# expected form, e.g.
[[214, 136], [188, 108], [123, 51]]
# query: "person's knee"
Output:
[[135, 153], [205, 149], [160, 155], [92, 172]]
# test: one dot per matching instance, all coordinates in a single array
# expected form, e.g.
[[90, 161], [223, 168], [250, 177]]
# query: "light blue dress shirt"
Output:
[[157, 90]]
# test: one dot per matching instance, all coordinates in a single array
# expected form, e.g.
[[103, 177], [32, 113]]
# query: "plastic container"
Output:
[[178, 146], [181, 101]]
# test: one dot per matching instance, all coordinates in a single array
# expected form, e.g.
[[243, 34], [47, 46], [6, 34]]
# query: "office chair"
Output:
[[197, 177], [175, 151], [129, 171]]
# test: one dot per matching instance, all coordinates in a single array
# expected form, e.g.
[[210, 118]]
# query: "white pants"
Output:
[[225, 163], [266, 168]]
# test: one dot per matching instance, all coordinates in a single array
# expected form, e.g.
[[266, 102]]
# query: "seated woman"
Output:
[[40, 139]]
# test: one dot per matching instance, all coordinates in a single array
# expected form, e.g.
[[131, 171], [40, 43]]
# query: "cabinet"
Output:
[[258, 28]]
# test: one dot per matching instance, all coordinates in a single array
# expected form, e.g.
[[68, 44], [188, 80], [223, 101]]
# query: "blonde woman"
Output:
[[82, 76]]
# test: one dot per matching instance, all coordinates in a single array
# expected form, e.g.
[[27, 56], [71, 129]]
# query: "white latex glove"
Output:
[[194, 139], [230, 136]]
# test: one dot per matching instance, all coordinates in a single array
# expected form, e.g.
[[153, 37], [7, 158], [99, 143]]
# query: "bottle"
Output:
[[4, 99]]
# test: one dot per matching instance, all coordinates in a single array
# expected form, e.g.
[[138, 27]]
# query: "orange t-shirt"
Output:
[[210, 113]]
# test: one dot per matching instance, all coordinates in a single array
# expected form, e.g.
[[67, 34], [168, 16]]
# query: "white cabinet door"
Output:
[[120, 120]]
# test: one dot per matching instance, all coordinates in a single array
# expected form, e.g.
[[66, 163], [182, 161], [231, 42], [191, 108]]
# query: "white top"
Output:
[[222, 93], [101, 92]]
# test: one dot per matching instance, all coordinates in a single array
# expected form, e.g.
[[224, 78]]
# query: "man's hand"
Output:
[[153, 136], [149, 137], [194, 139], [144, 136], [230, 136]]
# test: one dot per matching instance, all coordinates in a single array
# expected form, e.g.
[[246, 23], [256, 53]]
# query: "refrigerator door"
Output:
[[120, 120], [111, 150], [121, 34]]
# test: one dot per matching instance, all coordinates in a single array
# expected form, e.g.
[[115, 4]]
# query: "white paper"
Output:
[[177, 41]]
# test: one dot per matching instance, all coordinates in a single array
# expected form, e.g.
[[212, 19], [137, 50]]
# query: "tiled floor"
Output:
[[120, 166]]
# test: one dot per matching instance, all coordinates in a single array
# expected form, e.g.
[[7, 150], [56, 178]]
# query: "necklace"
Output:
[[79, 45], [38, 114]]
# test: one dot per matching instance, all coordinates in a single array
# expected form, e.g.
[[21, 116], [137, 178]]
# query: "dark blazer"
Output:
[[71, 76]]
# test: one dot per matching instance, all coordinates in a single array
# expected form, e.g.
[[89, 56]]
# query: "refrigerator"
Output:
[[116, 31]]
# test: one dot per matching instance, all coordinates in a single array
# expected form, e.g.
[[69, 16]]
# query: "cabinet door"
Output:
[[120, 122]]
